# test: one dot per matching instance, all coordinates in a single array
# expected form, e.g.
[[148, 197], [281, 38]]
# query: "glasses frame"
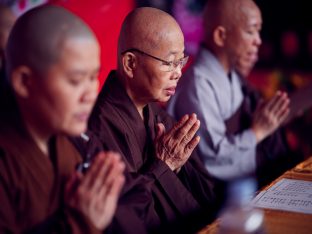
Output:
[[171, 64]]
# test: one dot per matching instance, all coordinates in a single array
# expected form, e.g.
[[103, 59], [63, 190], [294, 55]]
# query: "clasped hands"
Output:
[[269, 115], [175, 146], [95, 193]]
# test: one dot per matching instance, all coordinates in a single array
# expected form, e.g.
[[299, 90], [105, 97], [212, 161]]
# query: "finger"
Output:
[[99, 167], [117, 167], [191, 146], [178, 125], [72, 184], [272, 103], [190, 134], [116, 186], [281, 103], [283, 106], [181, 133], [116, 170], [160, 130], [283, 115]]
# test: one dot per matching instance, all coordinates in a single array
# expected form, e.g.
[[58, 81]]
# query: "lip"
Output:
[[171, 90], [253, 57], [83, 117]]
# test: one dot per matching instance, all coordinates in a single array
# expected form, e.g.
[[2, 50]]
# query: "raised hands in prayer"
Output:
[[270, 114], [175, 146], [96, 193]]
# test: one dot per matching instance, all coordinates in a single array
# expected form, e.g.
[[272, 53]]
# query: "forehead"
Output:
[[171, 42], [250, 16], [79, 46]]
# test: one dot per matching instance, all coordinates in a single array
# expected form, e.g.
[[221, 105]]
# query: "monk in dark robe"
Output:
[[52, 66], [126, 119]]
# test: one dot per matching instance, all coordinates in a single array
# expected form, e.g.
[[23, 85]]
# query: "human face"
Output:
[[152, 80], [243, 40], [62, 99]]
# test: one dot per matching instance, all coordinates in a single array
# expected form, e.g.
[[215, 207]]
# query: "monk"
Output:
[[127, 119], [51, 87], [240, 134]]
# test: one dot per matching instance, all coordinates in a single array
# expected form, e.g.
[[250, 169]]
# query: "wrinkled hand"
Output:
[[269, 115], [175, 146], [96, 193]]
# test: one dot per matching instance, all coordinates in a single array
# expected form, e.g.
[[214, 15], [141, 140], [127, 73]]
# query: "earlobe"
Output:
[[129, 64], [219, 36], [21, 80]]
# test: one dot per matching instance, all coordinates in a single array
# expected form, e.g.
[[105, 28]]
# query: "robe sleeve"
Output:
[[62, 221], [194, 176]]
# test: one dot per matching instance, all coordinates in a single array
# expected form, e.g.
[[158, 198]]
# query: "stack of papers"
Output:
[[287, 194]]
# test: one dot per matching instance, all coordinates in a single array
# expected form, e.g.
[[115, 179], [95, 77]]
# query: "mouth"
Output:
[[82, 117], [253, 57], [171, 91]]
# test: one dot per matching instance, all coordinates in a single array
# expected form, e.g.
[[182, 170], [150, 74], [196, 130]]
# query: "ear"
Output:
[[129, 63], [21, 79], [219, 36]]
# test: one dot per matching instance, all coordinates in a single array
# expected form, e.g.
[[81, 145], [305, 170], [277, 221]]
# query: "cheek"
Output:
[[65, 105]]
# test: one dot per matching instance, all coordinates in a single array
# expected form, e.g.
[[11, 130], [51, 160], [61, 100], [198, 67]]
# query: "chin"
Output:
[[75, 131]]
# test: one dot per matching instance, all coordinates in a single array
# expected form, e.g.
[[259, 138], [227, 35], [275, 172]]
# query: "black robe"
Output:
[[179, 199]]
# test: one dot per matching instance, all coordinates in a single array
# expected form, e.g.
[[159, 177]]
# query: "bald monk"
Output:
[[126, 119], [237, 131], [52, 65]]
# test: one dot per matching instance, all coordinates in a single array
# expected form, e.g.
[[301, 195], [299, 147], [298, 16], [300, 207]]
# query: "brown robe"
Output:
[[178, 198], [31, 185]]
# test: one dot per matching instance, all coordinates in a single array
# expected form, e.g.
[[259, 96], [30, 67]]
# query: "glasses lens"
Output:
[[180, 63]]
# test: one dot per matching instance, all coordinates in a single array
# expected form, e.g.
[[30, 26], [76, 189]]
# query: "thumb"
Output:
[[160, 130]]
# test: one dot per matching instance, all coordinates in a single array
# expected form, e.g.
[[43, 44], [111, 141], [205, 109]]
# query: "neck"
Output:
[[221, 56], [139, 103], [40, 140], [39, 134]]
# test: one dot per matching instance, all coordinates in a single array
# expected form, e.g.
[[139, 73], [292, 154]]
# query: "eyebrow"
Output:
[[175, 53], [81, 72]]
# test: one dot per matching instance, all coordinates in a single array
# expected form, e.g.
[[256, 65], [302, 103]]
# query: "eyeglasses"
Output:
[[169, 66]]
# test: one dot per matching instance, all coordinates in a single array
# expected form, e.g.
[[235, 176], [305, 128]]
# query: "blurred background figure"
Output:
[[7, 19], [52, 63], [238, 131]]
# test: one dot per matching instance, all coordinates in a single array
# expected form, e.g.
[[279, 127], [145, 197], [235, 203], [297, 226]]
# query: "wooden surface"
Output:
[[283, 222]]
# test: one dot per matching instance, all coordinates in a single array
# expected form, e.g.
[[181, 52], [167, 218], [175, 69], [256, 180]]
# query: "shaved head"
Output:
[[232, 32], [38, 36], [147, 28], [150, 44], [225, 13]]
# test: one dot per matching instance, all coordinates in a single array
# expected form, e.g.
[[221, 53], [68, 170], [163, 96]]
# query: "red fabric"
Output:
[[105, 18]]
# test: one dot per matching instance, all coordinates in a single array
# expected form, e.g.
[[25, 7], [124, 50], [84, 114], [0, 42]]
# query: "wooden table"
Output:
[[282, 222]]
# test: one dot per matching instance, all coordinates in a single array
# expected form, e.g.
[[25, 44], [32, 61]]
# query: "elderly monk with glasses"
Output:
[[127, 119]]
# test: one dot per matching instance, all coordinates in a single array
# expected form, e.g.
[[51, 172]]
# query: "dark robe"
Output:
[[32, 185], [273, 156], [179, 199]]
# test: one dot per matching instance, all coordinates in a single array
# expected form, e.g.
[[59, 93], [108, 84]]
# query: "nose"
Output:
[[91, 91], [258, 40], [177, 73]]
